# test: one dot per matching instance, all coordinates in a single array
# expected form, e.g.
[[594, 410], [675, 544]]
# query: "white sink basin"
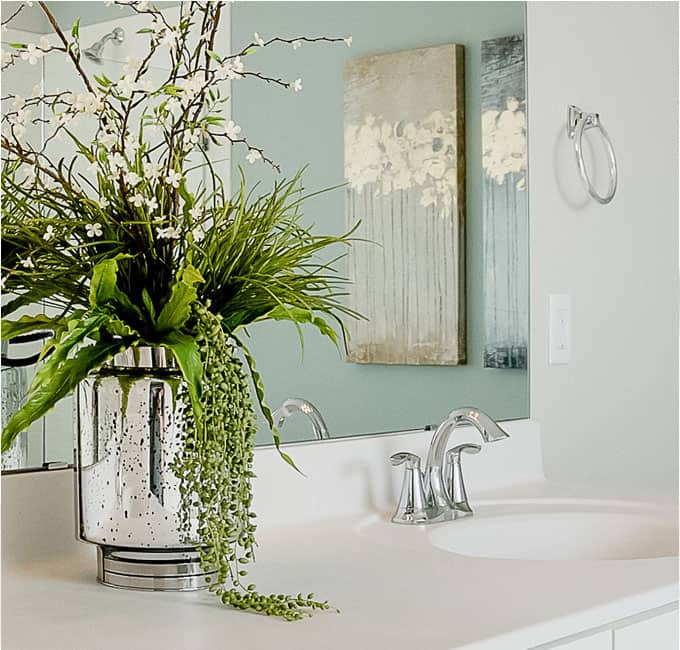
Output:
[[561, 530]]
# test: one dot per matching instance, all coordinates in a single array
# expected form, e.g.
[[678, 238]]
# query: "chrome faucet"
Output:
[[442, 504], [299, 405]]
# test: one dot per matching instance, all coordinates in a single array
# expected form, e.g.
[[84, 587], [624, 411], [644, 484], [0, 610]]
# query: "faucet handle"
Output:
[[412, 460], [454, 474], [466, 447], [412, 508]]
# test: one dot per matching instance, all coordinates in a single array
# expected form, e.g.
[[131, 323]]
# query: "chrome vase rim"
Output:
[[143, 357]]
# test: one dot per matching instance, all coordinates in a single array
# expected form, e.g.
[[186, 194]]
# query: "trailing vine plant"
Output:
[[129, 253], [220, 492]]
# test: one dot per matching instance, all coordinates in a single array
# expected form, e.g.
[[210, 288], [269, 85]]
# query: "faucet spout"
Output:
[[297, 404], [490, 431]]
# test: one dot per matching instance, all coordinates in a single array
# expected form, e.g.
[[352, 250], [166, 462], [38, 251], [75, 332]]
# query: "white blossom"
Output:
[[117, 161], [106, 138], [126, 85], [253, 156], [296, 85], [49, 233], [44, 43], [198, 233], [151, 170], [132, 65], [189, 139], [103, 202], [152, 204], [132, 178], [85, 102], [258, 39], [169, 39], [296, 44], [27, 263], [191, 86], [348, 41], [168, 233], [31, 54], [137, 200], [131, 145], [174, 178], [18, 102], [174, 106], [60, 119], [37, 90], [195, 212], [7, 57], [232, 130], [230, 69], [94, 230]]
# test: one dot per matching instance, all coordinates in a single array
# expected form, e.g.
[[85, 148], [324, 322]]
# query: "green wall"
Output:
[[296, 129]]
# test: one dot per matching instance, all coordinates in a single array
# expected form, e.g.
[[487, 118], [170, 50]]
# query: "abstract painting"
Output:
[[505, 211], [405, 173]]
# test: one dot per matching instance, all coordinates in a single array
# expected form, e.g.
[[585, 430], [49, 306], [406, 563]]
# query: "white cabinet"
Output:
[[657, 633], [599, 641]]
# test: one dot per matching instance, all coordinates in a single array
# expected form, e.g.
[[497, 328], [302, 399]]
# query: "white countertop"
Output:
[[393, 591], [393, 588]]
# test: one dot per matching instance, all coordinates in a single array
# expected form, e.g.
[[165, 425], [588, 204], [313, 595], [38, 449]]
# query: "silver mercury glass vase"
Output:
[[129, 431]]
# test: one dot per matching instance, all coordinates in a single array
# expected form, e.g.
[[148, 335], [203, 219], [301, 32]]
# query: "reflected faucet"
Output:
[[436, 503], [297, 404]]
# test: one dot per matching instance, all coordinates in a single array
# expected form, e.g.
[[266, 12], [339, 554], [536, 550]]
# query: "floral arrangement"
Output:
[[116, 239]]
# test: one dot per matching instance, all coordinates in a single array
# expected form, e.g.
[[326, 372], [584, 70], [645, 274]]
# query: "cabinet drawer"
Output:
[[659, 633], [599, 641]]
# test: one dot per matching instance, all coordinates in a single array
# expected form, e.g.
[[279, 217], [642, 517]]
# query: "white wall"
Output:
[[611, 414]]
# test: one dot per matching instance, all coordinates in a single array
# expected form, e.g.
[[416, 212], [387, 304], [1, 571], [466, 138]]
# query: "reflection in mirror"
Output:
[[467, 230], [398, 108]]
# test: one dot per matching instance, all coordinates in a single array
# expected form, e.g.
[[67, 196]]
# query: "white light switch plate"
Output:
[[560, 328]]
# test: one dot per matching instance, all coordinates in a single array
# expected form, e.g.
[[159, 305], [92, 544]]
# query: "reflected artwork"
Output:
[[405, 173], [505, 208]]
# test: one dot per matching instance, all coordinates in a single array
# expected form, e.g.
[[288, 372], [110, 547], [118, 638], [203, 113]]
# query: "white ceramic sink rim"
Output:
[[557, 529], [561, 529]]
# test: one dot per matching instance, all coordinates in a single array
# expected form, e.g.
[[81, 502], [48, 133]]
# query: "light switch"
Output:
[[560, 328]]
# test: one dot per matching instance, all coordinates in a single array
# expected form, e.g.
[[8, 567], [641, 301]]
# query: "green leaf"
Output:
[[188, 356], [148, 303], [299, 315], [176, 311], [103, 284], [103, 80], [266, 411], [214, 55], [104, 287], [145, 30], [76, 28], [56, 379], [18, 46], [26, 324]]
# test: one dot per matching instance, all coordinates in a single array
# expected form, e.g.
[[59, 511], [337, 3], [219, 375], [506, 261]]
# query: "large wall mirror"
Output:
[[420, 126]]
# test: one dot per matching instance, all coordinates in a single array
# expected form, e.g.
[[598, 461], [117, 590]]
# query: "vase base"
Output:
[[151, 570]]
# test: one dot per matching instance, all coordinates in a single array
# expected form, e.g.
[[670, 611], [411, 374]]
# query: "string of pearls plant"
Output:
[[219, 493]]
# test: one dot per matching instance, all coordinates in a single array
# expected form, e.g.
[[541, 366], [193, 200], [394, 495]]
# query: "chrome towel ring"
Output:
[[577, 122]]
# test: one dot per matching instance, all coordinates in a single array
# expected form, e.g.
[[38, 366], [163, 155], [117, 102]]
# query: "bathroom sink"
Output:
[[561, 530]]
